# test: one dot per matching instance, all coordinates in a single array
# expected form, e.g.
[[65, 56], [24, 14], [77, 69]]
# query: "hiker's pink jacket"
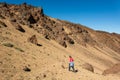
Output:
[[71, 60]]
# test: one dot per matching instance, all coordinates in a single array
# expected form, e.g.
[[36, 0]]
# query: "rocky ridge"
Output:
[[62, 32]]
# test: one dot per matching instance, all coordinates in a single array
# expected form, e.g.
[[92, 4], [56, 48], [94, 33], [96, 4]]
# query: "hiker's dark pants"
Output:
[[71, 67]]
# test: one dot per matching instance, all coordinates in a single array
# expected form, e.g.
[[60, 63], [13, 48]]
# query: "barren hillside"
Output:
[[34, 46]]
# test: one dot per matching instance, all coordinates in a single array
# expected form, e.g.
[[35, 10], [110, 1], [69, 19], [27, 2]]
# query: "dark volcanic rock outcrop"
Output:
[[19, 27]]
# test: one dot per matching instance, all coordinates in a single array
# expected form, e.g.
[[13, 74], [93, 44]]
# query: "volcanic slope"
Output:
[[34, 46]]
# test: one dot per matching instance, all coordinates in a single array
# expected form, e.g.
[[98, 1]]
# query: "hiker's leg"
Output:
[[73, 68], [69, 66]]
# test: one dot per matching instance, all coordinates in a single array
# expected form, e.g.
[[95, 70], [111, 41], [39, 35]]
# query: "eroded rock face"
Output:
[[62, 32], [34, 18], [51, 28]]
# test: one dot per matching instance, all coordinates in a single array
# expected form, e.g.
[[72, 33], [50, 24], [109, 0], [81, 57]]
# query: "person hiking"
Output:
[[71, 63]]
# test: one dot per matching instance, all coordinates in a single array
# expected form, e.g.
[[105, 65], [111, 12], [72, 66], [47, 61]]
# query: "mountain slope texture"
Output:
[[34, 46]]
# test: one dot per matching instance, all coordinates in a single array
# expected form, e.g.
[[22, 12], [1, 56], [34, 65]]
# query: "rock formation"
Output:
[[88, 67], [113, 70], [33, 39]]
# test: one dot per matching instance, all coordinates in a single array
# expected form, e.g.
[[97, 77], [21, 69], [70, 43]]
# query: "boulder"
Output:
[[26, 69], [63, 43], [19, 28], [88, 67], [113, 70], [31, 19], [2, 24], [33, 39]]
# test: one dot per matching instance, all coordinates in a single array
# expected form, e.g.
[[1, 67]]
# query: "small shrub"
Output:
[[19, 49], [12, 46], [26, 69], [8, 44]]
